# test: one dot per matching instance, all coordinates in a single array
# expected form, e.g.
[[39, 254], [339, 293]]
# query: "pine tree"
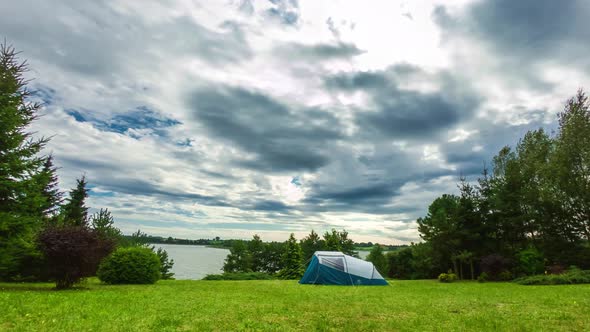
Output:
[[256, 249], [48, 183], [104, 224], [310, 244], [19, 163], [292, 260], [75, 212]]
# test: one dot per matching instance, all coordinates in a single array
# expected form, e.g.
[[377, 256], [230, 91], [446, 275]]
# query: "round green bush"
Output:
[[135, 265]]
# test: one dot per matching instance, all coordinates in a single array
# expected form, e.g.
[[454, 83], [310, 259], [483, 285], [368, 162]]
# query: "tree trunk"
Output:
[[471, 268]]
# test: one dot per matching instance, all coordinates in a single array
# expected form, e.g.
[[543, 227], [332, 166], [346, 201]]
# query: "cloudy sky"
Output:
[[197, 119]]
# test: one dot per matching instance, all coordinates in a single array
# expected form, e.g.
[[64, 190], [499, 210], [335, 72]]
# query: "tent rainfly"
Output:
[[336, 268]]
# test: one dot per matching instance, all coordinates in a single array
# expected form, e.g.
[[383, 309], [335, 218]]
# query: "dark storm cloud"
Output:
[[93, 39], [402, 113], [525, 32], [280, 137], [319, 52], [268, 205]]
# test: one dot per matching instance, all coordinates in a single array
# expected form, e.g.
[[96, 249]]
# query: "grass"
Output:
[[274, 305]]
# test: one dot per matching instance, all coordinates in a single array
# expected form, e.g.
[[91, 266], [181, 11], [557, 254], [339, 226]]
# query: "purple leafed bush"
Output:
[[73, 253]]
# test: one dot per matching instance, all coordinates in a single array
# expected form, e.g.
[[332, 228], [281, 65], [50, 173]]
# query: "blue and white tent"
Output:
[[336, 268]]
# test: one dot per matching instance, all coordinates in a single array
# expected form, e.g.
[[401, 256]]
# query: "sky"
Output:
[[229, 118]]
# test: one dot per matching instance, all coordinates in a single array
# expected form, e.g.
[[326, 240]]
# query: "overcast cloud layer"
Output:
[[227, 118]]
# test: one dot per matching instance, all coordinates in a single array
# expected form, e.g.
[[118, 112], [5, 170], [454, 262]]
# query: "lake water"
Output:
[[194, 262]]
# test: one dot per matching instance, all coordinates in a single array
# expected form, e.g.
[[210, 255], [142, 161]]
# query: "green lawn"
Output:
[[288, 306]]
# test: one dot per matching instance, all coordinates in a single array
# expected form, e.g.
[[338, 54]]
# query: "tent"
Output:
[[336, 268]]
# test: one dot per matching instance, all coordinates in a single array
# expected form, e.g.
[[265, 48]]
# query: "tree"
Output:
[[166, 264], [272, 257], [75, 212], [310, 244], [20, 192], [256, 249], [292, 260], [440, 227], [48, 181], [378, 259], [73, 253], [239, 259], [103, 223], [339, 241], [571, 166]]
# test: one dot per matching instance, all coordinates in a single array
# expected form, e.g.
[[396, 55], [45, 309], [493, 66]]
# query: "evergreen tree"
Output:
[[48, 183], [104, 224], [256, 249], [310, 244], [75, 212], [19, 163], [239, 259], [292, 260]]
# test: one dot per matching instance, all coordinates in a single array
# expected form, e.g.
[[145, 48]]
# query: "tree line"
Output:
[[529, 213], [286, 260]]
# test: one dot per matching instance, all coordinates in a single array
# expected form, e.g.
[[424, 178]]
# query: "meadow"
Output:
[[276, 305]]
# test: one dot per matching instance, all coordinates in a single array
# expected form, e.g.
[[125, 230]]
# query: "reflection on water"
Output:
[[194, 262]]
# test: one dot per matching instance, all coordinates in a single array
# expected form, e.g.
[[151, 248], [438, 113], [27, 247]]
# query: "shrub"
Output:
[[72, 252], [133, 265], [556, 269], [493, 265], [483, 277], [504, 276], [530, 261], [572, 276], [447, 277], [240, 276]]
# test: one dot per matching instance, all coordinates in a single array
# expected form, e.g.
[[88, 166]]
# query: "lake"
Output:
[[195, 262]]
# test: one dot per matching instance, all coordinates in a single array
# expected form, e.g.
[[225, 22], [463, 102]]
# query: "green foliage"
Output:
[[166, 264], [530, 261], [272, 257], [447, 277], [533, 206], [483, 277], [505, 276], [256, 250], [310, 244], [378, 259], [339, 241], [23, 205], [103, 223], [572, 276], [240, 276], [133, 265], [75, 212], [239, 259], [292, 260]]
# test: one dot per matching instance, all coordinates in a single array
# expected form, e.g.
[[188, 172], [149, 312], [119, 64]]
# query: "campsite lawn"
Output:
[[287, 306]]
